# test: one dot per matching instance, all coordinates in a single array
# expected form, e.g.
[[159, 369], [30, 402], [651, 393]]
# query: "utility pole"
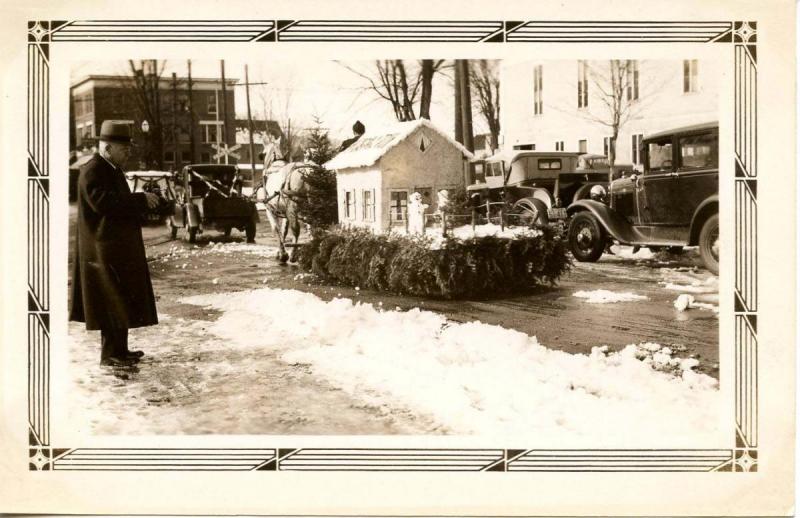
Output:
[[250, 126], [459, 128], [159, 129], [192, 145], [224, 108], [466, 105], [176, 159]]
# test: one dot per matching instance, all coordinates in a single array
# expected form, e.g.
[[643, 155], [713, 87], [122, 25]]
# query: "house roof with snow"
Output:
[[376, 142]]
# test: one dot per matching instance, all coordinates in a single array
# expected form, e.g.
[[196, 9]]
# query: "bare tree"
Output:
[[617, 89], [485, 82], [402, 84], [145, 81]]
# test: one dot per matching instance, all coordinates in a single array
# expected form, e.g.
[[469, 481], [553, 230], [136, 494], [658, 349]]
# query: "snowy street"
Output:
[[247, 346]]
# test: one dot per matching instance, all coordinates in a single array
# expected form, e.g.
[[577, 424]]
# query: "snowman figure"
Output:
[[416, 214]]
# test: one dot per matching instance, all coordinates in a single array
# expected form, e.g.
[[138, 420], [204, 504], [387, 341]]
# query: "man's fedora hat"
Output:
[[115, 131]]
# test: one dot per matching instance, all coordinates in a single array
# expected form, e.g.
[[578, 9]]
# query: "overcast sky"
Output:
[[300, 90]]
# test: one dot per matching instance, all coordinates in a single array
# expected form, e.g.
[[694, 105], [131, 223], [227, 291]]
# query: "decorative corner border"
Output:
[[743, 457]]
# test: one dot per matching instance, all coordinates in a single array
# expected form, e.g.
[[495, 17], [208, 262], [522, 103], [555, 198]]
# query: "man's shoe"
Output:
[[135, 354], [118, 362]]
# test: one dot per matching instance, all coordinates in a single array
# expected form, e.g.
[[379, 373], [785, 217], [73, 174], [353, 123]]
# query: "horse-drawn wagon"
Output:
[[210, 197]]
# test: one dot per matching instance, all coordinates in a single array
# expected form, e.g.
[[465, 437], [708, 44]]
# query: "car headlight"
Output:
[[598, 192]]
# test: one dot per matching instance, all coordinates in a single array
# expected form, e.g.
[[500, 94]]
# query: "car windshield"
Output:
[[659, 155]]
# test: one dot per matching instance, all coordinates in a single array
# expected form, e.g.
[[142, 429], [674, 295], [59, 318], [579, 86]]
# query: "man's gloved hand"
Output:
[[152, 200]]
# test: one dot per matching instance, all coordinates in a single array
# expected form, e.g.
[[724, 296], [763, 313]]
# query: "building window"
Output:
[[211, 106], [169, 156], [368, 205], [607, 143], [525, 147], [689, 75], [560, 145], [582, 145], [186, 156], [583, 84], [211, 132], [398, 201], [636, 146], [632, 91], [205, 158], [350, 204], [88, 130], [537, 90]]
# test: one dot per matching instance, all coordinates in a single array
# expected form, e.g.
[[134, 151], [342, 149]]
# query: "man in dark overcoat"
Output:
[[111, 288]]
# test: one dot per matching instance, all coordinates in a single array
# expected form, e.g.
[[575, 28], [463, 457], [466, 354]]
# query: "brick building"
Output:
[[96, 98]]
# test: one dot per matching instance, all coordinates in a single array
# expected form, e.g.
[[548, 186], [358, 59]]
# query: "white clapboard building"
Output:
[[376, 175], [563, 105]]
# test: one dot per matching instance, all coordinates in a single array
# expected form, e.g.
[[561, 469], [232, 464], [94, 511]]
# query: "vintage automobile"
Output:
[[537, 185], [210, 197], [160, 183], [672, 204]]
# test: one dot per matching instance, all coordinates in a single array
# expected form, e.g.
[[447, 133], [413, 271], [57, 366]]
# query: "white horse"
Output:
[[283, 183]]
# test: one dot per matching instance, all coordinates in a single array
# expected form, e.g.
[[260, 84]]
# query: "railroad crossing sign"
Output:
[[224, 151]]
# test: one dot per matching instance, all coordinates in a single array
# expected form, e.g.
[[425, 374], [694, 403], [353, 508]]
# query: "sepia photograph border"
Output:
[[741, 455]]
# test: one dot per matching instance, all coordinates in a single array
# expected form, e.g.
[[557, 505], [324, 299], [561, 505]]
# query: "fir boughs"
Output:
[[474, 268]]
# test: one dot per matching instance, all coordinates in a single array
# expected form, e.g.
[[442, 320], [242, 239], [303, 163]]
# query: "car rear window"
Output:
[[698, 152], [549, 163]]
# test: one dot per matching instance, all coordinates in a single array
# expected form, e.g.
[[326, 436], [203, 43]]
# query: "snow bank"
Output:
[[698, 289], [475, 378], [606, 296]]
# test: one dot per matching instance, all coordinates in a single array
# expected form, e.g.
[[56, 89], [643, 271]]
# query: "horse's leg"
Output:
[[274, 223], [293, 220]]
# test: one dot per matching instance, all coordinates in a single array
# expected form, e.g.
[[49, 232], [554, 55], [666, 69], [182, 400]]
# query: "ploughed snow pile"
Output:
[[475, 378], [698, 289], [606, 296]]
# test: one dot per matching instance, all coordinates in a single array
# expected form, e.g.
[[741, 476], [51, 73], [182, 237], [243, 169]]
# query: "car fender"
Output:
[[616, 226], [708, 207]]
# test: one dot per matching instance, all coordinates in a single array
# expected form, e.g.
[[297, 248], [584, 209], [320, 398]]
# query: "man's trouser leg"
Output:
[[114, 343]]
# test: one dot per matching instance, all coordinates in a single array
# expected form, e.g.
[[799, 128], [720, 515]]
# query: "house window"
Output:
[[689, 75], [582, 146], [607, 143], [211, 106], [636, 146], [350, 204], [560, 145], [583, 84], [398, 201], [211, 132], [368, 205], [537, 90], [632, 90]]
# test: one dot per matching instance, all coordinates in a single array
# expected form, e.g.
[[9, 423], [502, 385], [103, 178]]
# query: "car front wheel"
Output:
[[587, 239], [709, 244]]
